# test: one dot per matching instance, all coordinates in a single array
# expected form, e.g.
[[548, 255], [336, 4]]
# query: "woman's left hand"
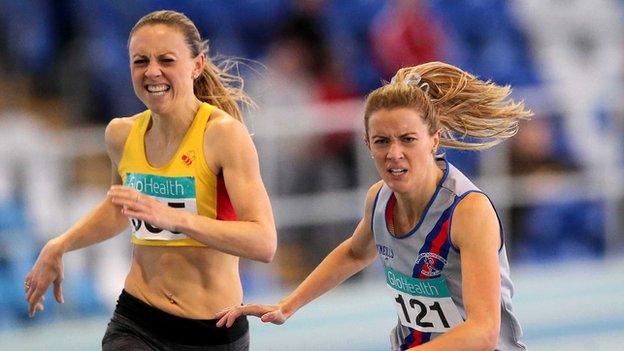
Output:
[[135, 204]]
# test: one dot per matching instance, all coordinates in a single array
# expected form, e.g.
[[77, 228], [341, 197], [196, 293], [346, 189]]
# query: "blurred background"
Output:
[[558, 185]]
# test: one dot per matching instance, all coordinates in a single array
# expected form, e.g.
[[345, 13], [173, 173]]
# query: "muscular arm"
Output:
[[350, 257], [103, 222], [230, 150], [476, 232]]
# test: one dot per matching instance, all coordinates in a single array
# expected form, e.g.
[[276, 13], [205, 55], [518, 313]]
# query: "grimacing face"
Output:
[[401, 146], [162, 68]]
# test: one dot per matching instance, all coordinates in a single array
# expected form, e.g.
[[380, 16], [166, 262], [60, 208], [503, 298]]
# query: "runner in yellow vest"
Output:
[[186, 176]]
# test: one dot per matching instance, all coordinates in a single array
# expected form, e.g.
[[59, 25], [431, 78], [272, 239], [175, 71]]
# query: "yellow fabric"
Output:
[[188, 165]]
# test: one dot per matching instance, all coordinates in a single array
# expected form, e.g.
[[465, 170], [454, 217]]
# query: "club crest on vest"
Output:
[[429, 262], [188, 158]]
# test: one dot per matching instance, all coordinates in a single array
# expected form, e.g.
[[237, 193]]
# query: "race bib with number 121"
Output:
[[423, 304]]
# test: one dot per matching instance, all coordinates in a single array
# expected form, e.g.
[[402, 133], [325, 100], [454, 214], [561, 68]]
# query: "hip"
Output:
[[135, 322]]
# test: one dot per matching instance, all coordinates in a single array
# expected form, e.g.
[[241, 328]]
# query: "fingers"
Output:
[[120, 188], [130, 213], [33, 308], [228, 316], [30, 289], [125, 196], [222, 316], [222, 313], [268, 317], [124, 192], [36, 292], [28, 282], [35, 289], [275, 317], [222, 320], [267, 313], [26, 285], [133, 204], [58, 290]]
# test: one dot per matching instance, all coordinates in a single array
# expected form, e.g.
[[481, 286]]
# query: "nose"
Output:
[[395, 152], [153, 70]]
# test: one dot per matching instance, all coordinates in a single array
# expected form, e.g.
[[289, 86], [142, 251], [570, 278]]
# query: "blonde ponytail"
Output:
[[470, 113], [217, 86]]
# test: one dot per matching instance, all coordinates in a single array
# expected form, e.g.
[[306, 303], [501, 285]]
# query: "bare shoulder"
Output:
[[475, 204], [372, 194], [116, 134], [225, 134], [373, 190], [227, 143], [222, 126], [474, 219]]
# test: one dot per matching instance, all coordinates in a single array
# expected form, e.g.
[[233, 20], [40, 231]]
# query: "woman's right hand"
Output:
[[47, 269], [267, 313]]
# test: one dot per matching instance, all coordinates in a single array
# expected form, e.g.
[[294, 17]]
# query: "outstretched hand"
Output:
[[47, 269], [267, 313]]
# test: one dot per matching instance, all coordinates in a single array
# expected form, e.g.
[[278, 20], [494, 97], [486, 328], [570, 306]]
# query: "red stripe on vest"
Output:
[[418, 336], [225, 211], [437, 243], [390, 213]]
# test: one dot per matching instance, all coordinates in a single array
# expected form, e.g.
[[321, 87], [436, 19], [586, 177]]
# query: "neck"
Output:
[[413, 204], [172, 124]]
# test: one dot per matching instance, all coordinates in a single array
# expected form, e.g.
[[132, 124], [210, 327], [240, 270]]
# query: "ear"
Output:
[[365, 138], [436, 139], [200, 62]]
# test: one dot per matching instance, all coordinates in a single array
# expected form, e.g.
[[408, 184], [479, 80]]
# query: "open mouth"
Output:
[[397, 171], [157, 89]]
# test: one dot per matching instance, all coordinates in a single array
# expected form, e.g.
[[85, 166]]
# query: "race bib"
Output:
[[423, 304], [176, 192]]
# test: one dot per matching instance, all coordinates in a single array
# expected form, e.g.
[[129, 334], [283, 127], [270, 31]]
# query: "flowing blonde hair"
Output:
[[470, 113], [216, 84]]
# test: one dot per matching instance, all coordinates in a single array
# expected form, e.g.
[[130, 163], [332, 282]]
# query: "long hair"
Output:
[[216, 84], [470, 113]]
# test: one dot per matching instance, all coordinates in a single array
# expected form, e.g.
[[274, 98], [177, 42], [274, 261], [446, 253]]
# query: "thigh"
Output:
[[120, 335]]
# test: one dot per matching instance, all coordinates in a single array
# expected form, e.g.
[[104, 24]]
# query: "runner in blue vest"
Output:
[[437, 235]]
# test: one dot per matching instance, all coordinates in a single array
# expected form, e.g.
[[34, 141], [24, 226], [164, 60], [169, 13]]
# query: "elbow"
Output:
[[489, 338], [267, 255], [269, 246], [484, 335], [267, 258]]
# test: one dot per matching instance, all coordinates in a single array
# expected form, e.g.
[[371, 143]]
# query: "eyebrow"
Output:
[[158, 55], [402, 135]]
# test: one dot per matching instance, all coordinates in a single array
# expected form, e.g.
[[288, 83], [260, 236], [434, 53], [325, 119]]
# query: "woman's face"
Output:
[[402, 148], [162, 67]]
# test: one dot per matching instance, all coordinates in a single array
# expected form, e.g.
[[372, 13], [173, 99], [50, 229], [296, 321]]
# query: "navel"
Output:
[[171, 299]]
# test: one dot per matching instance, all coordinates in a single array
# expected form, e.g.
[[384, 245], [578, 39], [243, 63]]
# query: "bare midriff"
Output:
[[190, 282]]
